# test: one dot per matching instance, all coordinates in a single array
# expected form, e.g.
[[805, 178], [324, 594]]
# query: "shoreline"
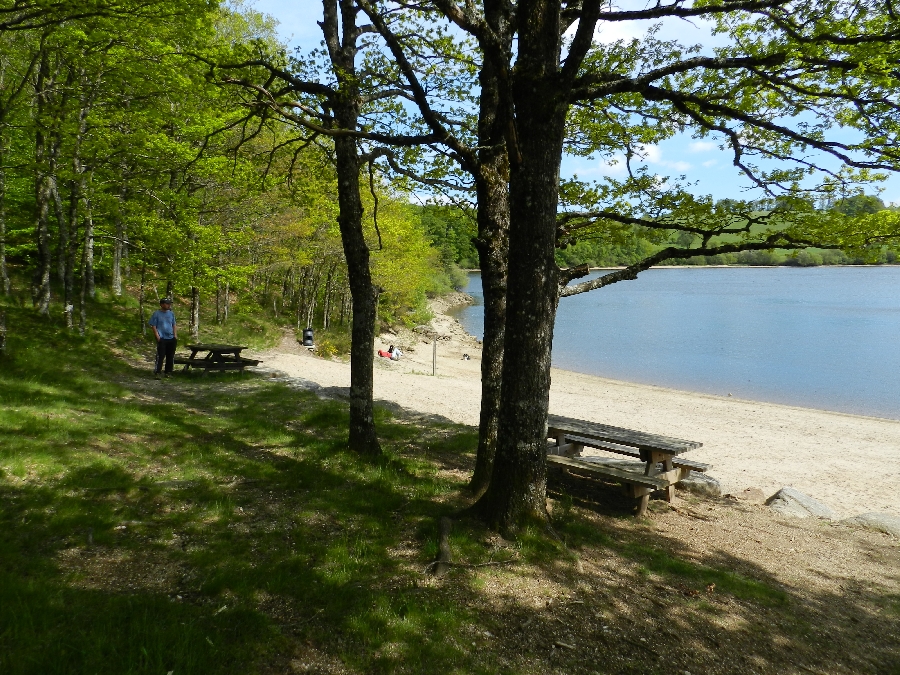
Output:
[[728, 267], [849, 462]]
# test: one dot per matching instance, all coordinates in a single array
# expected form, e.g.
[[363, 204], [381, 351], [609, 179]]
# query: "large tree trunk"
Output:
[[492, 243], [363, 292], [364, 295], [532, 292], [493, 228]]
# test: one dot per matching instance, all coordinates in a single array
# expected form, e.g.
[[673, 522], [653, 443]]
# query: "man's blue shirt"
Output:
[[164, 322]]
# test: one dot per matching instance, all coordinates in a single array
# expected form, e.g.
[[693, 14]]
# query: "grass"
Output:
[[218, 525]]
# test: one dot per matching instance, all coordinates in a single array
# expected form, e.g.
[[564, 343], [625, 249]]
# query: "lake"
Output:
[[821, 337]]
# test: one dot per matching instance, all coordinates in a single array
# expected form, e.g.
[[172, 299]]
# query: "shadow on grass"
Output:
[[219, 526]]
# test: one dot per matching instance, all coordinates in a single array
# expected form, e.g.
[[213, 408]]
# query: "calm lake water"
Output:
[[823, 337]]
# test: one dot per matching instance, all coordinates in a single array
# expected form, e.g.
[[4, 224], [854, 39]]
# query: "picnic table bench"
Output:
[[218, 357], [663, 468]]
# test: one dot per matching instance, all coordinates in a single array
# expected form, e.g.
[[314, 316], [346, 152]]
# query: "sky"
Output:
[[701, 161]]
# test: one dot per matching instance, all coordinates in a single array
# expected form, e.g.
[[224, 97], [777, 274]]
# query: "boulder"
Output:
[[880, 522], [701, 484], [790, 502]]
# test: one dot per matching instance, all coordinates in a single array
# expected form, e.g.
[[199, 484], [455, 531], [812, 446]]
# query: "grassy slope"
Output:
[[217, 525]]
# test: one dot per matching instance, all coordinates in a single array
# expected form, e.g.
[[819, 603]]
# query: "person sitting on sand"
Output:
[[166, 332], [396, 353]]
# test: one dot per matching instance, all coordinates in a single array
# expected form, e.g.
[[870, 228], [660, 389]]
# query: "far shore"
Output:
[[849, 462], [737, 267]]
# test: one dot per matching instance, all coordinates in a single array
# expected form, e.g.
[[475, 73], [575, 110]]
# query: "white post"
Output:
[[434, 356]]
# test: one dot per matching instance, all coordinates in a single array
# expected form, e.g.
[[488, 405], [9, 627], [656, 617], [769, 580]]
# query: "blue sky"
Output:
[[700, 161]]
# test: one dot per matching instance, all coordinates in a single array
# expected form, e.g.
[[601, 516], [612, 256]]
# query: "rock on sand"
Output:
[[790, 502], [880, 522]]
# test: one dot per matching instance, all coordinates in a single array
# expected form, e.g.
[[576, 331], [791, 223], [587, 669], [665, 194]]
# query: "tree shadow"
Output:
[[222, 527]]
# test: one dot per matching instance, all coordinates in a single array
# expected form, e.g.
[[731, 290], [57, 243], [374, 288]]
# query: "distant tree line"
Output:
[[122, 166]]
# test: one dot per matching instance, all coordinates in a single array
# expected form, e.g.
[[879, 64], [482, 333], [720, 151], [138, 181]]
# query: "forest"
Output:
[[124, 167]]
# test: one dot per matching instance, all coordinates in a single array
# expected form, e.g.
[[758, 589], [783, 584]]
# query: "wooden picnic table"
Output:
[[218, 357], [663, 467]]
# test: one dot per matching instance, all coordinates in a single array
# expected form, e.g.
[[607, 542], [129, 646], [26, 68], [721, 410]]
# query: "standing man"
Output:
[[163, 323]]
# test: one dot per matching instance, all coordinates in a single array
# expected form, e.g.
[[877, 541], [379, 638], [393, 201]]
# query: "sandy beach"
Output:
[[849, 462]]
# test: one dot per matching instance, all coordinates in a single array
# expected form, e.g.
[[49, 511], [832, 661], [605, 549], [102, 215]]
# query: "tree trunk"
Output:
[[119, 247], [82, 297], [195, 313], [326, 306], [363, 292], [4, 272], [40, 287], [170, 289], [71, 255], [533, 291], [227, 301], [141, 299], [63, 234], [88, 271], [218, 301], [492, 243]]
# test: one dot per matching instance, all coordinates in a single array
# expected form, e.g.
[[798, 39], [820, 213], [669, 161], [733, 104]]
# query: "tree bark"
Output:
[[4, 272], [362, 438], [119, 246], [492, 243], [82, 297], [141, 298], [218, 301], [88, 271], [195, 312], [533, 291], [63, 233], [326, 305], [40, 287], [70, 256]]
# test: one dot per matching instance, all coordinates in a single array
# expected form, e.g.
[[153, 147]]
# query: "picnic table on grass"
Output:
[[217, 357], [663, 467]]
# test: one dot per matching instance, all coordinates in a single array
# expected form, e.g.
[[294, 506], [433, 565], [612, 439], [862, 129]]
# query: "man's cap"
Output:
[[165, 301]]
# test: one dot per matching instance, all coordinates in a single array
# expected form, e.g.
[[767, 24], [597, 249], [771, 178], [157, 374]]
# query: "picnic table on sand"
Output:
[[663, 467], [217, 357]]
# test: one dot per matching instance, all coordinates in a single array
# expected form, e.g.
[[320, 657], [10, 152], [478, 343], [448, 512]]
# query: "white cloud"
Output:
[[703, 146], [652, 154], [608, 32], [710, 162], [614, 166]]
